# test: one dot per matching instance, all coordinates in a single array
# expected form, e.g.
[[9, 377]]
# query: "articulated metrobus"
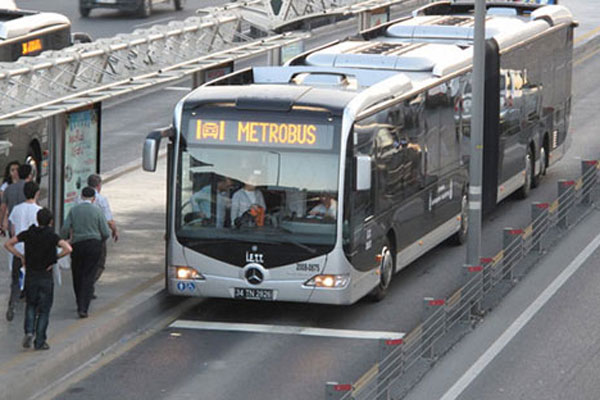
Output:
[[317, 181]]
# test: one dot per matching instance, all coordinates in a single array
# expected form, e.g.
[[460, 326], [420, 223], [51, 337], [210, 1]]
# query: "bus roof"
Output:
[[15, 23], [270, 97], [437, 40]]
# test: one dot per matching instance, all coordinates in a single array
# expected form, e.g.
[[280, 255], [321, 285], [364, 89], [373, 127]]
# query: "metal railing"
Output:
[[445, 320], [87, 72]]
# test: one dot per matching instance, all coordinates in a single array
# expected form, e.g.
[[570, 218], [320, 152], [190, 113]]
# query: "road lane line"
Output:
[[178, 88], [472, 373], [285, 330]]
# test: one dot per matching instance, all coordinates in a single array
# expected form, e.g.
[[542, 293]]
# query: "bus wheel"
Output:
[[386, 270], [460, 237], [84, 11], [178, 4], [145, 9], [529, 172], [543, 167]]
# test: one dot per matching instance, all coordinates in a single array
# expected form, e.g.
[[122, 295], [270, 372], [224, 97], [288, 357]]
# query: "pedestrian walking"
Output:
[[14, 194], [11, 175], [95, 181], [86, 227], [38, 257], [21, 218]]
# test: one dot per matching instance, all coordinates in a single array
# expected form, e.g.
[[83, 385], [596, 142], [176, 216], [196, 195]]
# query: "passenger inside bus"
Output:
[[327, 207]]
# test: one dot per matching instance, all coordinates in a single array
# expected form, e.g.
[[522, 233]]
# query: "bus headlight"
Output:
[[328, 281], [187, 273]]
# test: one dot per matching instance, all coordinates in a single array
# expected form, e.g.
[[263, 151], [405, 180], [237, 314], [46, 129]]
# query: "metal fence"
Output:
[[167, 51], [445, 320]]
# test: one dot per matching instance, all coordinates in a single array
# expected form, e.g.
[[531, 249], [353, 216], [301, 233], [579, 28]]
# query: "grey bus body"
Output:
[[378, 123]]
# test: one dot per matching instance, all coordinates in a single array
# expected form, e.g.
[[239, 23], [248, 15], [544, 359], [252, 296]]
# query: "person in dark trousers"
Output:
[[86, 227], [95, 181], [14, 195], [40, 254]]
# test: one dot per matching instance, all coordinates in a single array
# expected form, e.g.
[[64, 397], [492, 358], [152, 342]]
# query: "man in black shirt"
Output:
[[40, 254]]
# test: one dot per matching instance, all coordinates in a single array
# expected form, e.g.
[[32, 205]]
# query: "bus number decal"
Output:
[[304, 267]]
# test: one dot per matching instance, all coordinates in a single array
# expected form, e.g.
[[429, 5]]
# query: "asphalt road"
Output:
[[216, 364], [104, 22]]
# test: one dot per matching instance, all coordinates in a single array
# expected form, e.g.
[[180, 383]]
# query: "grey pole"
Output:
[[476, 151]]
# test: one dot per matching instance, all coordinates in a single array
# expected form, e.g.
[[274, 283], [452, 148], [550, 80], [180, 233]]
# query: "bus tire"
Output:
[[178, 4], [386, 271], [529, 174], [84, 11], [145, 9], [460, 237]]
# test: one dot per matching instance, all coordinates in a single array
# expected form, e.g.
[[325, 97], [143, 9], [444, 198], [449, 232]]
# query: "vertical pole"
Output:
[[433, 327], [336, 391], [472, 290], [513, 250], [566, 199], [391, 363], [198, 79], [540, 224], [475, 163], [589, 170]]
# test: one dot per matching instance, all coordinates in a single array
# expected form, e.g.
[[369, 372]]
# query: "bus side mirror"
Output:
[[151, 146], [363, 173]]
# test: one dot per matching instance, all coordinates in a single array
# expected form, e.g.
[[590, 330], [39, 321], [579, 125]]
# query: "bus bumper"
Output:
[[232, 288]]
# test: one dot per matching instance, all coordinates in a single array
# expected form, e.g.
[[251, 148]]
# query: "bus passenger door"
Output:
[[362, 236]]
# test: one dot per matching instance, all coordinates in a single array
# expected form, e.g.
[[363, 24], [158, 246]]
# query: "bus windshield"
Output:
[[245, 189]]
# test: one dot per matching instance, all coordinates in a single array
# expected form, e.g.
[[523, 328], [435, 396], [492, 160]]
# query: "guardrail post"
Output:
[[589, 175], [540, 224], [337, 391], [487, 275], [472, 291], [512, 240], [566, 200], [433, 325], [391, 364], [274, 57]]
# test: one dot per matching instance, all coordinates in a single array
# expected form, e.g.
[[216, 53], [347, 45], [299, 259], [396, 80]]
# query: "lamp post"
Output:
[[476, 150]]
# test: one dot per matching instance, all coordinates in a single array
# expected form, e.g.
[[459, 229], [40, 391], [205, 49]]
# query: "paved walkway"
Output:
[[129, 292]]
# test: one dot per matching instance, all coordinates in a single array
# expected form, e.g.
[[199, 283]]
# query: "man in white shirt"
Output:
[[21, 217], [327, 208], [95, 181]]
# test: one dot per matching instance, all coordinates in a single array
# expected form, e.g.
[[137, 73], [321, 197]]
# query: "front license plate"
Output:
[[106, 1], [253, 294]]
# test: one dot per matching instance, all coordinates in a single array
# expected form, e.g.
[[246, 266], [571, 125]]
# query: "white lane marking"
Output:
[[178, 88], [285, 330], [154, 22], [495, 349]]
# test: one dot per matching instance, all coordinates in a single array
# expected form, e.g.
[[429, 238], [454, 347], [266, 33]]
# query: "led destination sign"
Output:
[[32, 46], [255, 133]]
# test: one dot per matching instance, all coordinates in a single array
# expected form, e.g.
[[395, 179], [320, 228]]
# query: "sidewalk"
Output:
[[130, 292]]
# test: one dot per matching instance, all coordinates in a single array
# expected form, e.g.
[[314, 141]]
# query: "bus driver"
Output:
[[247, 199]]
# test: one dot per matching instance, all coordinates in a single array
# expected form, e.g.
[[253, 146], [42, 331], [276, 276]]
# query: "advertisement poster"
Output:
[[81, 153]]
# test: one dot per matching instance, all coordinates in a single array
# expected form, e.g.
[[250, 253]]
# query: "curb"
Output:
[[589, 45], [67, 357]]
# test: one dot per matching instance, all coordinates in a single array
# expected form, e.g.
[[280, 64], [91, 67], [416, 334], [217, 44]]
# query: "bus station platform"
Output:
[[130, 293]]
